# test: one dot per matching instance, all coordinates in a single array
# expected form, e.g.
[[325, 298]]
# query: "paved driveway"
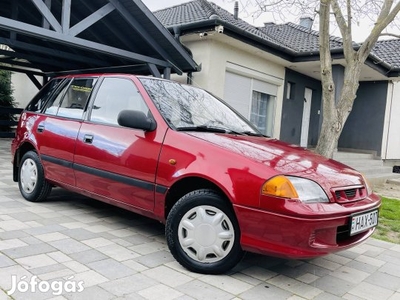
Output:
[[72, 247]]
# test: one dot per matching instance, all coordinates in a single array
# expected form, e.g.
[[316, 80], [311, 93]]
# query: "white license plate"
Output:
[[363, 222]]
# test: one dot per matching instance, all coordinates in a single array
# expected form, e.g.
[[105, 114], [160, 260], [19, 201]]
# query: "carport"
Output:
[[50, 37], [45, 38]]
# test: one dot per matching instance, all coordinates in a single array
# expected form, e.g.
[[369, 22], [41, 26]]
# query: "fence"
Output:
[[9, 123]]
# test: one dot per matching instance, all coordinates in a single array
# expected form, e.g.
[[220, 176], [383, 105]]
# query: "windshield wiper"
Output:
[[202, 128], [205, 128], [254, 133]]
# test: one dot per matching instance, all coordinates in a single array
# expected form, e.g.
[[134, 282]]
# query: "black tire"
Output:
[[31, 181], [203, 234]]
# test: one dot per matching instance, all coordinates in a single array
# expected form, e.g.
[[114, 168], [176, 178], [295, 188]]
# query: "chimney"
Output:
[[236, 10], [306, 22]]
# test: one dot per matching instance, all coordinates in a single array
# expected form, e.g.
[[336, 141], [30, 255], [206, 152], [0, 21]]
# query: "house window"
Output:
[[262, 110]]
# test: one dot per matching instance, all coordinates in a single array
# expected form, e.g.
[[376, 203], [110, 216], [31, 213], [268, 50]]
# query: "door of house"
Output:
[[305, 124]]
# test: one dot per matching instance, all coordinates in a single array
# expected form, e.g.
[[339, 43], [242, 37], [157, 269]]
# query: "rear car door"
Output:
[[58, 127], [116, 162]]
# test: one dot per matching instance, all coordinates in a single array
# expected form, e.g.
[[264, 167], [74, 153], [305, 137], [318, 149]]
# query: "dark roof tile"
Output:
[[298, 38], [294, 38], [388, 51]]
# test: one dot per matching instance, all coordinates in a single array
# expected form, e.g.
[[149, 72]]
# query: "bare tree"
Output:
[[342, 14]]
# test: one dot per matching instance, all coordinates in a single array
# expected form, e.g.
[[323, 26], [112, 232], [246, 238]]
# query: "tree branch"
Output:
[[385, 18], [349, 17], [345, 29], [391, 34]]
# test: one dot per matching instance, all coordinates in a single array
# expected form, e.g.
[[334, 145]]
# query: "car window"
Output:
[[74, 100], [39, 101], [113, 96], [53, 104]]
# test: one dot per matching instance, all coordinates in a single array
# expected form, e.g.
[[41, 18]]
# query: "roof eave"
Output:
[[234, 31], [276, 49]]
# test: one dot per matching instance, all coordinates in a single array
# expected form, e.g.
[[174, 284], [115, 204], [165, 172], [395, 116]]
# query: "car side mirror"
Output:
[[136, 119]]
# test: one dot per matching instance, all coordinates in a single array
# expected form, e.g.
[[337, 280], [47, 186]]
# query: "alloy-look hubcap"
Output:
[[206, 234], [29, 175]]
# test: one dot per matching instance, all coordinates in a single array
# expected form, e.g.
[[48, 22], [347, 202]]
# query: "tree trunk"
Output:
[[335, 116]]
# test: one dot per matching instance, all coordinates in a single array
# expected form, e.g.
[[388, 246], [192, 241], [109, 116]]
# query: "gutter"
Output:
[[208, 24]]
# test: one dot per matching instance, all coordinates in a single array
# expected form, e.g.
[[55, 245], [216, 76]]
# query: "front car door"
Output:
[[115, 162]]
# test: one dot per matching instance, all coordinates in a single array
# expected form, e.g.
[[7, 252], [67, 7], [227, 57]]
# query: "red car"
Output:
[[177, 154]]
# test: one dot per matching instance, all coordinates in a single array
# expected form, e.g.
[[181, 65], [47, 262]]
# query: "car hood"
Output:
[[286, 159]]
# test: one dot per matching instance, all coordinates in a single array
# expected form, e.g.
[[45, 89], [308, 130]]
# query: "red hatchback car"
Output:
[[177, 154]]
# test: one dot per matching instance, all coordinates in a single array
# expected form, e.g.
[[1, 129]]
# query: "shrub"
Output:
[[6, 99]]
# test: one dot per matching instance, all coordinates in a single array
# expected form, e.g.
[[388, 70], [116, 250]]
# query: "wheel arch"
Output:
[[187, 185], [19, 153]]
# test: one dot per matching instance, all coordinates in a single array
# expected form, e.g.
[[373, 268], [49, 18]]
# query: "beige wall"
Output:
[[24, 89]]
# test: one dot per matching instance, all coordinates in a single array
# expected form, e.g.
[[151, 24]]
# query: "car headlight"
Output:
[[292, 187], [367, 185]]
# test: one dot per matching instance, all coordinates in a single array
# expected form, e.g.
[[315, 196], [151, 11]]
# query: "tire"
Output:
[[203, 234], [31, 181]]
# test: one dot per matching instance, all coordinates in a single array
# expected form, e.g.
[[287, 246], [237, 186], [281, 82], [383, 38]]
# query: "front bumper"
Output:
[[297, 237]]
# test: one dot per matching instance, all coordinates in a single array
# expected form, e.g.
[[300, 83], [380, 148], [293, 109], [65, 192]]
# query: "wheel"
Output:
[[203, 234], [31, 181]]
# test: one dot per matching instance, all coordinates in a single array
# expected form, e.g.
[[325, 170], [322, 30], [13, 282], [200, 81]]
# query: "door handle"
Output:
[[40, 127], [88, 138]]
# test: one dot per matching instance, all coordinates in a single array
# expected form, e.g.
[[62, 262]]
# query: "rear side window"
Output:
[[71, 100], [54, 103], [39, 101], [113, 96]]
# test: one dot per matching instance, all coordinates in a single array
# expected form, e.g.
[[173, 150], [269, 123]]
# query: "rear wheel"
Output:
[[31, 181], [203, 234]]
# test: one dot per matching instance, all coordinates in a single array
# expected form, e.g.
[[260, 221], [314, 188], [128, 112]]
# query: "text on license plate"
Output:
[[363, 222]]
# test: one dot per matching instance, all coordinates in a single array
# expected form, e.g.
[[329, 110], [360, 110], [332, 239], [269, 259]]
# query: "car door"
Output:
[[116, 162], [57, 128]]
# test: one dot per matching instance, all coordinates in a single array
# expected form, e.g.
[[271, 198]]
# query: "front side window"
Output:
[[114, 95], [188, 108], [39, 101], [75, 97], [262, 108]]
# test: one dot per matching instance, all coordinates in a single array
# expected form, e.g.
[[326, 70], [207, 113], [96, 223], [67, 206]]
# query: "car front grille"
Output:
[[350, 194]]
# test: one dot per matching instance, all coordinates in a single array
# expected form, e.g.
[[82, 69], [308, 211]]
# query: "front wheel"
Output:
[[203, 234], [31, 181]]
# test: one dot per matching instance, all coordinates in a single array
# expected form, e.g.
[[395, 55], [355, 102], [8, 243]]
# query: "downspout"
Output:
[[177, 35], [390, 119]]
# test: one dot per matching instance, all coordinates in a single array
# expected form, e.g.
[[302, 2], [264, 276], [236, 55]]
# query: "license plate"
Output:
[[363, 222]]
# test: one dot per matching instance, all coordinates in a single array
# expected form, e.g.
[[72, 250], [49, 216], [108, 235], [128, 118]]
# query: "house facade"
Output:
[[272, 76]]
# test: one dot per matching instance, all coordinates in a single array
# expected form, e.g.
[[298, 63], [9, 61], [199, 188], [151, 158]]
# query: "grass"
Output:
[[389, 221]]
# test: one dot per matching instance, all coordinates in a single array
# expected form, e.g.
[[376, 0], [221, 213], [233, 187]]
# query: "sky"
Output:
[[360, 32]]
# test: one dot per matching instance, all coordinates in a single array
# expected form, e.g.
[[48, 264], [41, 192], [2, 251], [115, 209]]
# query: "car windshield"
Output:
[[187, 108]]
